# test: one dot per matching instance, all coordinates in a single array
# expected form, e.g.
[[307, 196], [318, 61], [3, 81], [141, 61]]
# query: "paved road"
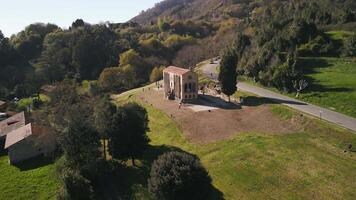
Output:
[[342, 120]]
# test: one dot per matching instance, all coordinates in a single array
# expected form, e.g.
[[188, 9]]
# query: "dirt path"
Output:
[[218, 124]]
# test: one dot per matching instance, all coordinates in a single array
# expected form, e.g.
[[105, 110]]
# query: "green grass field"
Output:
[[333, 84], [339, 35], [307, 165], [31, 180], [25, 102]]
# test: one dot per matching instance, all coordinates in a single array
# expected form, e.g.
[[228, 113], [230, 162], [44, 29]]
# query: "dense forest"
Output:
[[44, 53], [179, 32]]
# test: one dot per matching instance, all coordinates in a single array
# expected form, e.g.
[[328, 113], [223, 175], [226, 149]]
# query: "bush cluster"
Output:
[[176, 175]]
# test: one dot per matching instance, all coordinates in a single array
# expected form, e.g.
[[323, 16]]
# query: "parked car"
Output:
[[3, 116]]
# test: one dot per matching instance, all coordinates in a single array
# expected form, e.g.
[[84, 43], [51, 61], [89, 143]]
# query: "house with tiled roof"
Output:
[[180, 84], [24, 141], [12, 123]]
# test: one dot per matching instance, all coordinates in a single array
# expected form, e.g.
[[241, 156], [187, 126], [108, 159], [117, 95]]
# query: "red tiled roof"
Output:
[[18, 135], [12, 123], [176, 70]]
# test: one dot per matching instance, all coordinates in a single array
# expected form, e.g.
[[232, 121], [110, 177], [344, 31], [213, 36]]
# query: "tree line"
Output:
[[95, 136], [45, 54]]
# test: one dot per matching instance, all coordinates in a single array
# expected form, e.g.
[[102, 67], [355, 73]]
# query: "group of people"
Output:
[[158, 85]]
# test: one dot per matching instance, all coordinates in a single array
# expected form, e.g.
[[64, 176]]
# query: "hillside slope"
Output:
[[210, 10], [324, 11]]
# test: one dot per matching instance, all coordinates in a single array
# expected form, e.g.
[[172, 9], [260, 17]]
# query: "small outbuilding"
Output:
[[180, 84], [23, 144]]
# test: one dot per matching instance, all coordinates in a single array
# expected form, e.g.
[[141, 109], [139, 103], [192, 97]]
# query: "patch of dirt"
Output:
[[219, 124]]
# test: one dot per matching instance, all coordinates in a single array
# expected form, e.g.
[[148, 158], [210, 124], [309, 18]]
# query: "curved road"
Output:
[[340, 119]]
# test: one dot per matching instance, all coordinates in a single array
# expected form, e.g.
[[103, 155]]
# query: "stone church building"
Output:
[[180, 84]]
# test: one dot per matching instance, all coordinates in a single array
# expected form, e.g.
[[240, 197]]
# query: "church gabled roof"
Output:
[[176, 70]]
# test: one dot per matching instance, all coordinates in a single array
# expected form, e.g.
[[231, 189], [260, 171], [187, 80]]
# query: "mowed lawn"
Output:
[[333, 84], [31, 180], [310, 164]]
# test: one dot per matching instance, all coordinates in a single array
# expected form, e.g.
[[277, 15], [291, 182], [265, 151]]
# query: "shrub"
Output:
[[153, 46], [163, 24], [93, 88], [75, 186], [320, 46], [116, 79], [156, 74], [350, 46], [176, 42], [176, 175]]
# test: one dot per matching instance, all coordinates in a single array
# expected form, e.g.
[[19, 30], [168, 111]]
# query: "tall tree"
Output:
[[130, 139], [79, 140], [103, 115], [227, 74], [13, 68]]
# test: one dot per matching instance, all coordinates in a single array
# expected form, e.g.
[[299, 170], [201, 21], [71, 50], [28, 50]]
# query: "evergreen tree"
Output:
[[79, 140], [227, 74]]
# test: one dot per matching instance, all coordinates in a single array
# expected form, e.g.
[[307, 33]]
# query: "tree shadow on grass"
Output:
[[323, 89], [315, 86], [128, 182], [215, 102], [258, 101], [309, 65], [34, 163]]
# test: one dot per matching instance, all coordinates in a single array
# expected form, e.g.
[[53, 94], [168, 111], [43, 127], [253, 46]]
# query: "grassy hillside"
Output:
[[30, 180], [332, 83], [219, 10], [307, 165]]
